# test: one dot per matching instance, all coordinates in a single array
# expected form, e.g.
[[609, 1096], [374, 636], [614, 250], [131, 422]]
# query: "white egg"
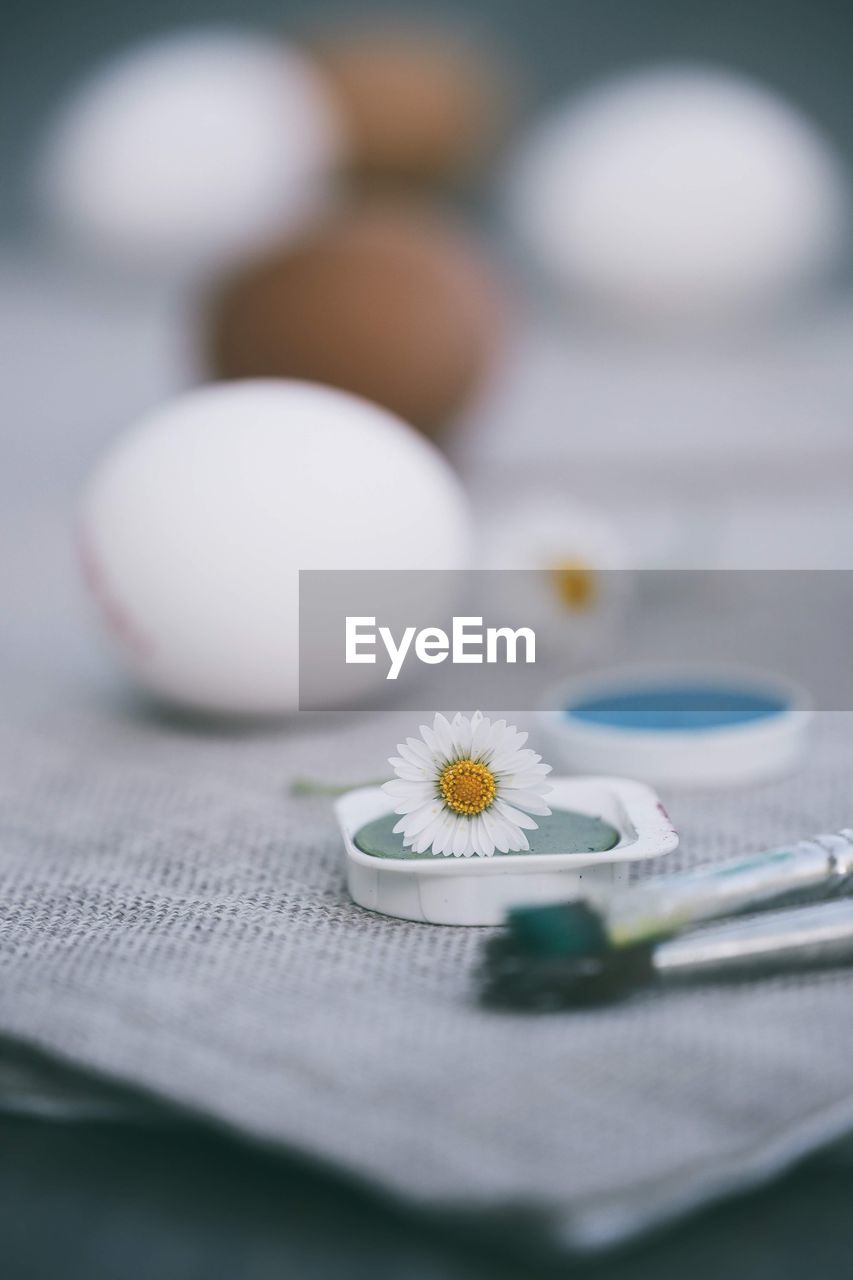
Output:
[[190, 149], [679, 191], [196, 523]]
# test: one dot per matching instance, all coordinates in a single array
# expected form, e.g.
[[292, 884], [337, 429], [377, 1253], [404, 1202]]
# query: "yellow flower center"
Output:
[[467, 787], [575, 584]]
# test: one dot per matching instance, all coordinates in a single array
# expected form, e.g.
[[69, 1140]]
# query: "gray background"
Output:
[[801, 48]]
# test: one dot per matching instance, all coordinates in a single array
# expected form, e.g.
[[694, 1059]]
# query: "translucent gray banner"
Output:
[[489, 639]]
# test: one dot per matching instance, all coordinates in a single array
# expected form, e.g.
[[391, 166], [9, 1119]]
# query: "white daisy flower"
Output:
[[467, 787]]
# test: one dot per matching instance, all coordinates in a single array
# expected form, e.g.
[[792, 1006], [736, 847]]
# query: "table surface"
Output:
[[103, 1201]]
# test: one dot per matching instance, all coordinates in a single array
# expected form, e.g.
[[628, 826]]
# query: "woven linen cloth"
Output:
[[174, 920], [171, 917]]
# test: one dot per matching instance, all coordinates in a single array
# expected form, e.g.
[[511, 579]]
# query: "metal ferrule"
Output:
[[799, 938], [810, 870]]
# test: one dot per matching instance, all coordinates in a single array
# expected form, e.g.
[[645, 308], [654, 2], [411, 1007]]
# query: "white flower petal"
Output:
[[409, 788], [506, 762], [459, 835], [496, 829], [474, 830], [509, 834], [515, 816], [444, 735], [512, 760], [398, 787], [409, 805], [529, 801], [484, 846], [422, 841], [414, 803], [511, 752], [461, 727], [495, 744], [526, 781], [524, 758], [412, 824], [514, 783], [403, 789], [408, 771], [413, 759], [443, 840], [439, 835], [480, 727], [531, 760], [419, 749], [461, 838]]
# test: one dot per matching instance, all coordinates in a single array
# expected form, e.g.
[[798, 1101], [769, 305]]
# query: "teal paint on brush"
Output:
[[677, 708]]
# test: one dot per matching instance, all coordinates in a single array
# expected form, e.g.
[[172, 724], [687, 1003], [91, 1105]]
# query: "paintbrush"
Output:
[[810, 870], [799, 938]]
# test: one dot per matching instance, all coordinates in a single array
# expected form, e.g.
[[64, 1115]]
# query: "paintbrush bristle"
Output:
[[513, 978], [561, 929]]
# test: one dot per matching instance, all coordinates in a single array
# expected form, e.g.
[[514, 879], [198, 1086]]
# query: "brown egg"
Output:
[[396, 306], [421, 107]]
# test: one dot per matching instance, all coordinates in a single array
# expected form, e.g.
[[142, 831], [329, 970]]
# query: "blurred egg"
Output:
[[191, 148], [197, 521], [393, 305], [676, 192], [420, 105], [577, 581]]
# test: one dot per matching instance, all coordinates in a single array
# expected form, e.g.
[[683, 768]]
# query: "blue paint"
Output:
[[677, 708]]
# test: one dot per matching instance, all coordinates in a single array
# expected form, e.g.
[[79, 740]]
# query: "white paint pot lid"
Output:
[[679, 726]]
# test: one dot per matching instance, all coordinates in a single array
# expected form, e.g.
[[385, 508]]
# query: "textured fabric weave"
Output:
[[173, 918]]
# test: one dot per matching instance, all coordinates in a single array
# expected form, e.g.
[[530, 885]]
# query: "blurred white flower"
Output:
[[579, 582]]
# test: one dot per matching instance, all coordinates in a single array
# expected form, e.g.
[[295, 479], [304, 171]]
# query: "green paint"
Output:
[[563, 832]]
